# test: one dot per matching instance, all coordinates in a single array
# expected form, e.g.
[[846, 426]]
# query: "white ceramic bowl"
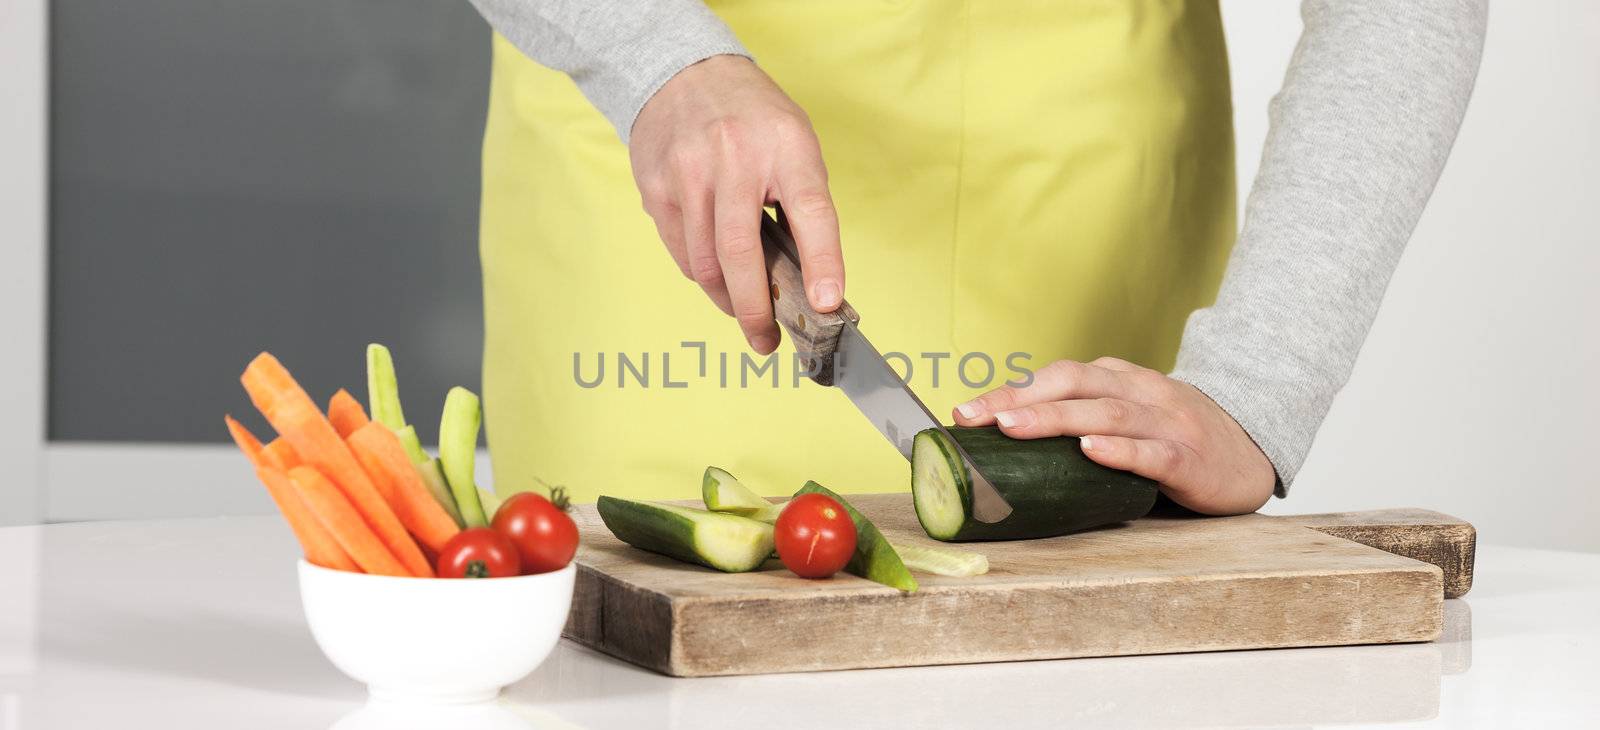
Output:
[[435, 639]]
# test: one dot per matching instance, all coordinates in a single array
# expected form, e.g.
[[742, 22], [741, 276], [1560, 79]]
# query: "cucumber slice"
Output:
[[1052, 487], [728, 543], [383, 389], [875, 558], [943, 561], [458, 448], [723, 493], [413, 445], [433, 477]]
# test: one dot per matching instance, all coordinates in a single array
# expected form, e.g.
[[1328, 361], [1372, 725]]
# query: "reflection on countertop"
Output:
[[197, 623]]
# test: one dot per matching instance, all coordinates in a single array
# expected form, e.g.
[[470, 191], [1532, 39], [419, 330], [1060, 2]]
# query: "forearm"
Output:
[[1359, 134], [619, 52]]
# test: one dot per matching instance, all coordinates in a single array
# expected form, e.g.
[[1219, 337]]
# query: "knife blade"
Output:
[[842, 357]]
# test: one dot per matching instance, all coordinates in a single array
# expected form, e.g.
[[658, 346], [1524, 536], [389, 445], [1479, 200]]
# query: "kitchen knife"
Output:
[[840, 356]]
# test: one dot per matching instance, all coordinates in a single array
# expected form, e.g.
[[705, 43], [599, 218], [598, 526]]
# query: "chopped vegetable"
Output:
[[723, 493], [942, 560], [815, 536], [318, 545], [345, 413], [280, 455], [380, 453], [383, 389], [1053, 489], [875, 559], [335, 512], [297, 420], [458, 450], [728, 543]]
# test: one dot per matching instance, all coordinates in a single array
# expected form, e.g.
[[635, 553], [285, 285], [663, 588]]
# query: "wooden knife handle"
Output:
[[815, 334]]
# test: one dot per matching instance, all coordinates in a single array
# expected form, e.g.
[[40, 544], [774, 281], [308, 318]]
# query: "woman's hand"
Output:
[[714, 145], [1140, 420]]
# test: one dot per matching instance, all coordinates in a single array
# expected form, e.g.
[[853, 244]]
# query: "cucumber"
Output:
[[1052, 487], [875, 558], [723, 493], [458, 448], [728, 543], [433, 477], [383, 389], [943, 561]]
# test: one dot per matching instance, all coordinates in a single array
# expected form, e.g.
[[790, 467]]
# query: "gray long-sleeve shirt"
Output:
[[1359, 135]]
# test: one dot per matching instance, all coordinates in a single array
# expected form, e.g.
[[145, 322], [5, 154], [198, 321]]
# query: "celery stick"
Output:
[[458, 446]]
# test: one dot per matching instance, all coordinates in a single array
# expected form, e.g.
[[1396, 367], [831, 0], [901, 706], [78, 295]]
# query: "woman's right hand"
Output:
[[714, 145]]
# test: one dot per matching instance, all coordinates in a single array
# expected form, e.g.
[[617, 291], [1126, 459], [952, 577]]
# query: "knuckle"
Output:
[[706, 272], [1107, 361], [751, 315], [999, 400], [813, 203], [728, 133], [738, 245], [1115, 412]]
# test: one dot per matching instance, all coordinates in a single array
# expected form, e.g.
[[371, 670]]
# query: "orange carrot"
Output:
[[320, 546], [385, 460], [297, 420], [248, 443], [280, 455], [346, 413], [335, 513]]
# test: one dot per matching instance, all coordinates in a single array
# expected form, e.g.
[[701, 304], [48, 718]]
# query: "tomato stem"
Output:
[[477, 569]]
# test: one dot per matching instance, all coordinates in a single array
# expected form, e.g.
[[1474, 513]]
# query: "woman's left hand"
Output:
[[1140, 420]]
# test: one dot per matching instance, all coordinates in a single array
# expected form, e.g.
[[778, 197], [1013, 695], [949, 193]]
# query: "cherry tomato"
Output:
[[815, 536], [545, 535], [479, 553]]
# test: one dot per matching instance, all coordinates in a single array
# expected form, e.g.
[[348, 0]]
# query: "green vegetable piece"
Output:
[[1053, 489], [383, 389], [458, 447], [433, 477], [875, 559], [943, 560], [725, 542], [723, 493]]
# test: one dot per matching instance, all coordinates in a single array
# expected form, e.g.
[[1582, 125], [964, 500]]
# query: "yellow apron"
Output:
[[1052, 179]]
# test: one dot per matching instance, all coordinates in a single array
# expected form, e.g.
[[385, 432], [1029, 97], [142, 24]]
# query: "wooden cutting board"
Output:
[[1157, 585]]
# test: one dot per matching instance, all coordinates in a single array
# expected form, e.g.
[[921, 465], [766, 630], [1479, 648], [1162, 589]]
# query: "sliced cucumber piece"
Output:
[[383, 389], [413, 445], [875, 558], [943, 561], [1053, 489], [433, 477], [728, 543], [723, 493], [458, 450]]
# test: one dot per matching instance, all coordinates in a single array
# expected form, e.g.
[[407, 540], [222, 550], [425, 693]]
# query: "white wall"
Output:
[[1478, 392], [22, 259]]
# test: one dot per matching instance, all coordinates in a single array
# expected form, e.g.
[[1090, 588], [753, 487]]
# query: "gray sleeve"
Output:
[[619, 52], [1359, 134]]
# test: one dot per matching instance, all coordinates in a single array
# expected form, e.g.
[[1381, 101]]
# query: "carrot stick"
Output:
[[380, 452], [335, 513], [280, 455], [248, 443], [320, 546], [297, 420], [346, 413]]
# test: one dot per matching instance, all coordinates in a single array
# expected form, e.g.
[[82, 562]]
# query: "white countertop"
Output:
[[197, 624]]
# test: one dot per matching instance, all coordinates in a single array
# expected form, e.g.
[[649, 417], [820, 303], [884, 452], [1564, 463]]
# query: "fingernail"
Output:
[[763, 343], [827, 294], [968, 410], [1014, 419], [1087, 443]]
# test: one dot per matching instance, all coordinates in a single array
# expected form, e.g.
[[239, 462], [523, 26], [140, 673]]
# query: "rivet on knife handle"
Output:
[[815, 334]]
